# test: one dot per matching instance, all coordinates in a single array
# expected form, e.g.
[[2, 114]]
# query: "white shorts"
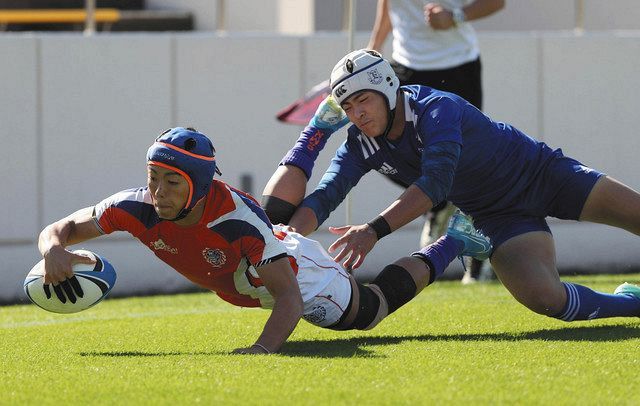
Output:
[[327, 307]]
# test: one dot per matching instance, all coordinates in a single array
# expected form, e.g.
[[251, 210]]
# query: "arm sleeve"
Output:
[[441, 121], [440, 128], [439, 162], [262, 250], [128, 210], [344, 172]]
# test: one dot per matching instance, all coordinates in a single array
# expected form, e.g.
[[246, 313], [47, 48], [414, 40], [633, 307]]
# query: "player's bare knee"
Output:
[[544, 305]]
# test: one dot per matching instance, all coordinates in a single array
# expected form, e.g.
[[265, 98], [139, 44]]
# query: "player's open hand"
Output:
[[356, 242]]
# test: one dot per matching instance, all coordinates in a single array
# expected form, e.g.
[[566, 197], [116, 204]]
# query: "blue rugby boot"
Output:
[[476, 245], [628, 289]]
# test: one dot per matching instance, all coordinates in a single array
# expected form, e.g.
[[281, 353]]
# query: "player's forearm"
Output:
[[381, 27], [70, 230], [482, 8], [54, 235], [283, 320], [409, 206]]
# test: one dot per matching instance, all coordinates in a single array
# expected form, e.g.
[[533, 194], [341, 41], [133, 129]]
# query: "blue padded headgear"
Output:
[[190, 154]]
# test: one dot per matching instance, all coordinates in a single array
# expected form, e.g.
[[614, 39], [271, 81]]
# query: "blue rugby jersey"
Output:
[[496, 163]]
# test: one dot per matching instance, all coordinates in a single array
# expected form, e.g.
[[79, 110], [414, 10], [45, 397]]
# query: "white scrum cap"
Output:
[[364, 69]]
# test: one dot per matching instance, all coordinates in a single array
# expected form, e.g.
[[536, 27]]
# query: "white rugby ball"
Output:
[[96, 281]]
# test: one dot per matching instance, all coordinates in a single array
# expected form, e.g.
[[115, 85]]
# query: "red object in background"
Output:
[[302, 110]]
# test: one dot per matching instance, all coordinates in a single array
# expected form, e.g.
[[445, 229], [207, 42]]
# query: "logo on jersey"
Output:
[[387, 169], [317, 315], [160, 245], [215, 257], [375, 78]]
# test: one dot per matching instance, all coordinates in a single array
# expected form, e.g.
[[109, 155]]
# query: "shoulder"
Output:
[[130, 200], [423, 101], [130, 210], [237, 214], [422, 97]]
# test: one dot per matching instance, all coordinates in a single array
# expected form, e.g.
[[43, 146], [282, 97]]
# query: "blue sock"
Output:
[[586, 304], [439, 255], [309, 144]]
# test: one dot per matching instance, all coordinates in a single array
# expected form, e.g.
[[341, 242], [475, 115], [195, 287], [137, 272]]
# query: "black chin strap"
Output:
[[390, 117], [183, 213]]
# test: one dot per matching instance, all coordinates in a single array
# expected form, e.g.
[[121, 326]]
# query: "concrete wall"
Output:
[[77, 115], [306, 16]]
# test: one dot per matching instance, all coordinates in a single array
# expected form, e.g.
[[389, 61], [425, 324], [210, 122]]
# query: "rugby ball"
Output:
[[96, 280]]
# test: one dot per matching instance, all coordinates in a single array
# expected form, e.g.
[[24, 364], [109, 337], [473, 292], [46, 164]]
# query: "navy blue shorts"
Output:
[[560, 191]]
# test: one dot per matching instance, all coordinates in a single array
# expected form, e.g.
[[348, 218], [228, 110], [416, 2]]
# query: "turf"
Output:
[[452, 345]]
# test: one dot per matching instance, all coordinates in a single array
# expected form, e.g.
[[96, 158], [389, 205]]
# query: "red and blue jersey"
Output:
[[219, 253]]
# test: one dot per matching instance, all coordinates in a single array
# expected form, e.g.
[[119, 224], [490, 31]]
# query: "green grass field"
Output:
[[452, 345]]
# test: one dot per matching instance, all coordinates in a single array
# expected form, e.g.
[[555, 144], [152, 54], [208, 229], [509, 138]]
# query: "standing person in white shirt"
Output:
[[435, 45]]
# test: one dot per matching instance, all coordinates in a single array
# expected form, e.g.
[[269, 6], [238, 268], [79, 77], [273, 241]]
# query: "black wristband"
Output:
[[380, 226]]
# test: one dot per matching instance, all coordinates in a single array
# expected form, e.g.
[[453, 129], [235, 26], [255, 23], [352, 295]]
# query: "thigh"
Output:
[[468, 82], [526, 266], [613, 203], [332, 304]]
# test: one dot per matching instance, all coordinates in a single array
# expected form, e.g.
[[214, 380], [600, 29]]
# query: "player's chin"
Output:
[[370, 130], [166, 213]]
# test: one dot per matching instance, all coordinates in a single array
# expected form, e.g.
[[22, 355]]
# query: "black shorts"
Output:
[[464, 80]]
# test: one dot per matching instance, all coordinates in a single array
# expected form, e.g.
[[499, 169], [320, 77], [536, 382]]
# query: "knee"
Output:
[[547, 304]]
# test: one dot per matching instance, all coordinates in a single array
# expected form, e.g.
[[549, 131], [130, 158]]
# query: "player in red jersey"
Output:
[[221, 239]]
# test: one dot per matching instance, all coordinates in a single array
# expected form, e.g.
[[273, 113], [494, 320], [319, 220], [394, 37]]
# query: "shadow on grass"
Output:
[[357, 346], [353, 347], [132, 354]]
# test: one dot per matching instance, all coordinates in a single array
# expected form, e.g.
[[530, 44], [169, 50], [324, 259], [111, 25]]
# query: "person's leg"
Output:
[[525, 264], [287, 186], [614, 203], [466, 82], [395, 286], [283, 193], [401, 281]]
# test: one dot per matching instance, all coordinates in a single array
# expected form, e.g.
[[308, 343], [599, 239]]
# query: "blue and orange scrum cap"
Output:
[[190, 154]]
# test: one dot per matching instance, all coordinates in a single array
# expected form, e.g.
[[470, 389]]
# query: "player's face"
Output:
[[168, 189], [368, 111]]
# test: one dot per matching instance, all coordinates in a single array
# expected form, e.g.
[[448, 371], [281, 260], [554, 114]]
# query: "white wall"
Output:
[[306, 16], [77, 115]]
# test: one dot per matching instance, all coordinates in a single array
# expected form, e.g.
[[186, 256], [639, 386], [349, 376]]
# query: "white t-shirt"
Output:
[[420, 47]]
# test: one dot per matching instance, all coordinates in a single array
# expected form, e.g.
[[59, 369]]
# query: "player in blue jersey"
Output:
[[443, 148]]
